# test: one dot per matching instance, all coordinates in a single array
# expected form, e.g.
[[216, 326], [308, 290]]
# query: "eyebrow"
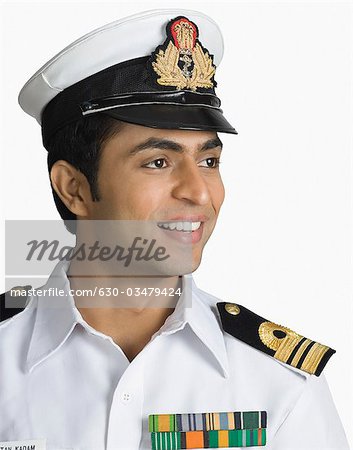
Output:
[[166, 144]]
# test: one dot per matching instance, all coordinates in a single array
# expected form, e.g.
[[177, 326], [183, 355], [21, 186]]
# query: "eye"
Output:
[[211, 163], [159, 163]]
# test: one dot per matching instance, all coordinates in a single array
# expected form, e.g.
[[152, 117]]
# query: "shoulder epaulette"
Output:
[[13, 301], [280, 342]]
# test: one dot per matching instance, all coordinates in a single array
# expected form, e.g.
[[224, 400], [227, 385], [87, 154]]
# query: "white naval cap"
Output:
[[155, 68]]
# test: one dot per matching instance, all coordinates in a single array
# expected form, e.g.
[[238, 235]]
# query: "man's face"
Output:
[[167, 176]]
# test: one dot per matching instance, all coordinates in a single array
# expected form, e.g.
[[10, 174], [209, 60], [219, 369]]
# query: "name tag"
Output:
[[23, 445]]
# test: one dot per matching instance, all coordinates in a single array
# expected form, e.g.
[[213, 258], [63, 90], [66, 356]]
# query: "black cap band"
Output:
[[150, 98]]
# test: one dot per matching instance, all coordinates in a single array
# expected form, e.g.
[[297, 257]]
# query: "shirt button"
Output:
[[126, 397]]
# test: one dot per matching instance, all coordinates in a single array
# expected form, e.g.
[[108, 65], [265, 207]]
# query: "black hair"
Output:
[[80, 144]]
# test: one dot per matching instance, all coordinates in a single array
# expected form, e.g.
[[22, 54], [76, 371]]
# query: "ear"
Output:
[[71, 186]]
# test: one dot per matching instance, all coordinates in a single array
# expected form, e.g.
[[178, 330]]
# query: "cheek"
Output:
[[146, 195], [136, 198], [217, 193]]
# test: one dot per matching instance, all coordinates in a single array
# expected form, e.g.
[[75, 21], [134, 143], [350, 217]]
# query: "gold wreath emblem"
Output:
[[170, 74], [266, 333]]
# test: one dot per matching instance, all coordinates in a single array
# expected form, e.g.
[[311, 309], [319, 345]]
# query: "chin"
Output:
[[197, 262], [180, 267]]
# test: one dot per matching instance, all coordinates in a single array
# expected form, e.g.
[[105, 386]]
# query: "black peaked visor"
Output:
[[183, 110], [174, 117]]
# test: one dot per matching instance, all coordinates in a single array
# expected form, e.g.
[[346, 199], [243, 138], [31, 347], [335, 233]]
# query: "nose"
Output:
[[190, 184]]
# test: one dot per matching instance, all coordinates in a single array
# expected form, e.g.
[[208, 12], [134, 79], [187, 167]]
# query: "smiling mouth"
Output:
[[186, 227]]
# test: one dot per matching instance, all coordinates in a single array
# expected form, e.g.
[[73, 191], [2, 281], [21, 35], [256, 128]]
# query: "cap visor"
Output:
[[180, 117]]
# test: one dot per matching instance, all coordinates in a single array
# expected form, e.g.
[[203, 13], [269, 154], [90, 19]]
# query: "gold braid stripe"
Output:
[[287, 346], [313, 358], [300, 352]]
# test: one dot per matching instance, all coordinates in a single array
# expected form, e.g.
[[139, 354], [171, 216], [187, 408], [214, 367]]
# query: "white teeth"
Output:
[[180, 226], [187, 226], [195, 225]]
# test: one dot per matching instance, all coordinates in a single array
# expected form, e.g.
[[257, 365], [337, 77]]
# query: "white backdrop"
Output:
[[283, 244]]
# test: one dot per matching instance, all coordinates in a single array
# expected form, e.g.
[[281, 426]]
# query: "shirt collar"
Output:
[[198, 309], [57, 315]]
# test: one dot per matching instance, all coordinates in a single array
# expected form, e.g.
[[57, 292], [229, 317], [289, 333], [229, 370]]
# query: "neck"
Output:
[[129, 309]]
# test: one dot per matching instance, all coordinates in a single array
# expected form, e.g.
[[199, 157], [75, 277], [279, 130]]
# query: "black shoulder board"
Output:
[[280, 342], [13, 301]]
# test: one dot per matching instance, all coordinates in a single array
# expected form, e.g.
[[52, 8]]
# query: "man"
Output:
[[130, 122]]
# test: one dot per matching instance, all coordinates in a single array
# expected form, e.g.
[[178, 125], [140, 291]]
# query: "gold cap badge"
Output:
[[182, 62]]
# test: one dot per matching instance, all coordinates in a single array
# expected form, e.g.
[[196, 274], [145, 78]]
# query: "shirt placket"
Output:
[[125, 417]]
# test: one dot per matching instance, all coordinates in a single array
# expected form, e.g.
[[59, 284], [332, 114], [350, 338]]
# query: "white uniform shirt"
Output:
[[63, 381]]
